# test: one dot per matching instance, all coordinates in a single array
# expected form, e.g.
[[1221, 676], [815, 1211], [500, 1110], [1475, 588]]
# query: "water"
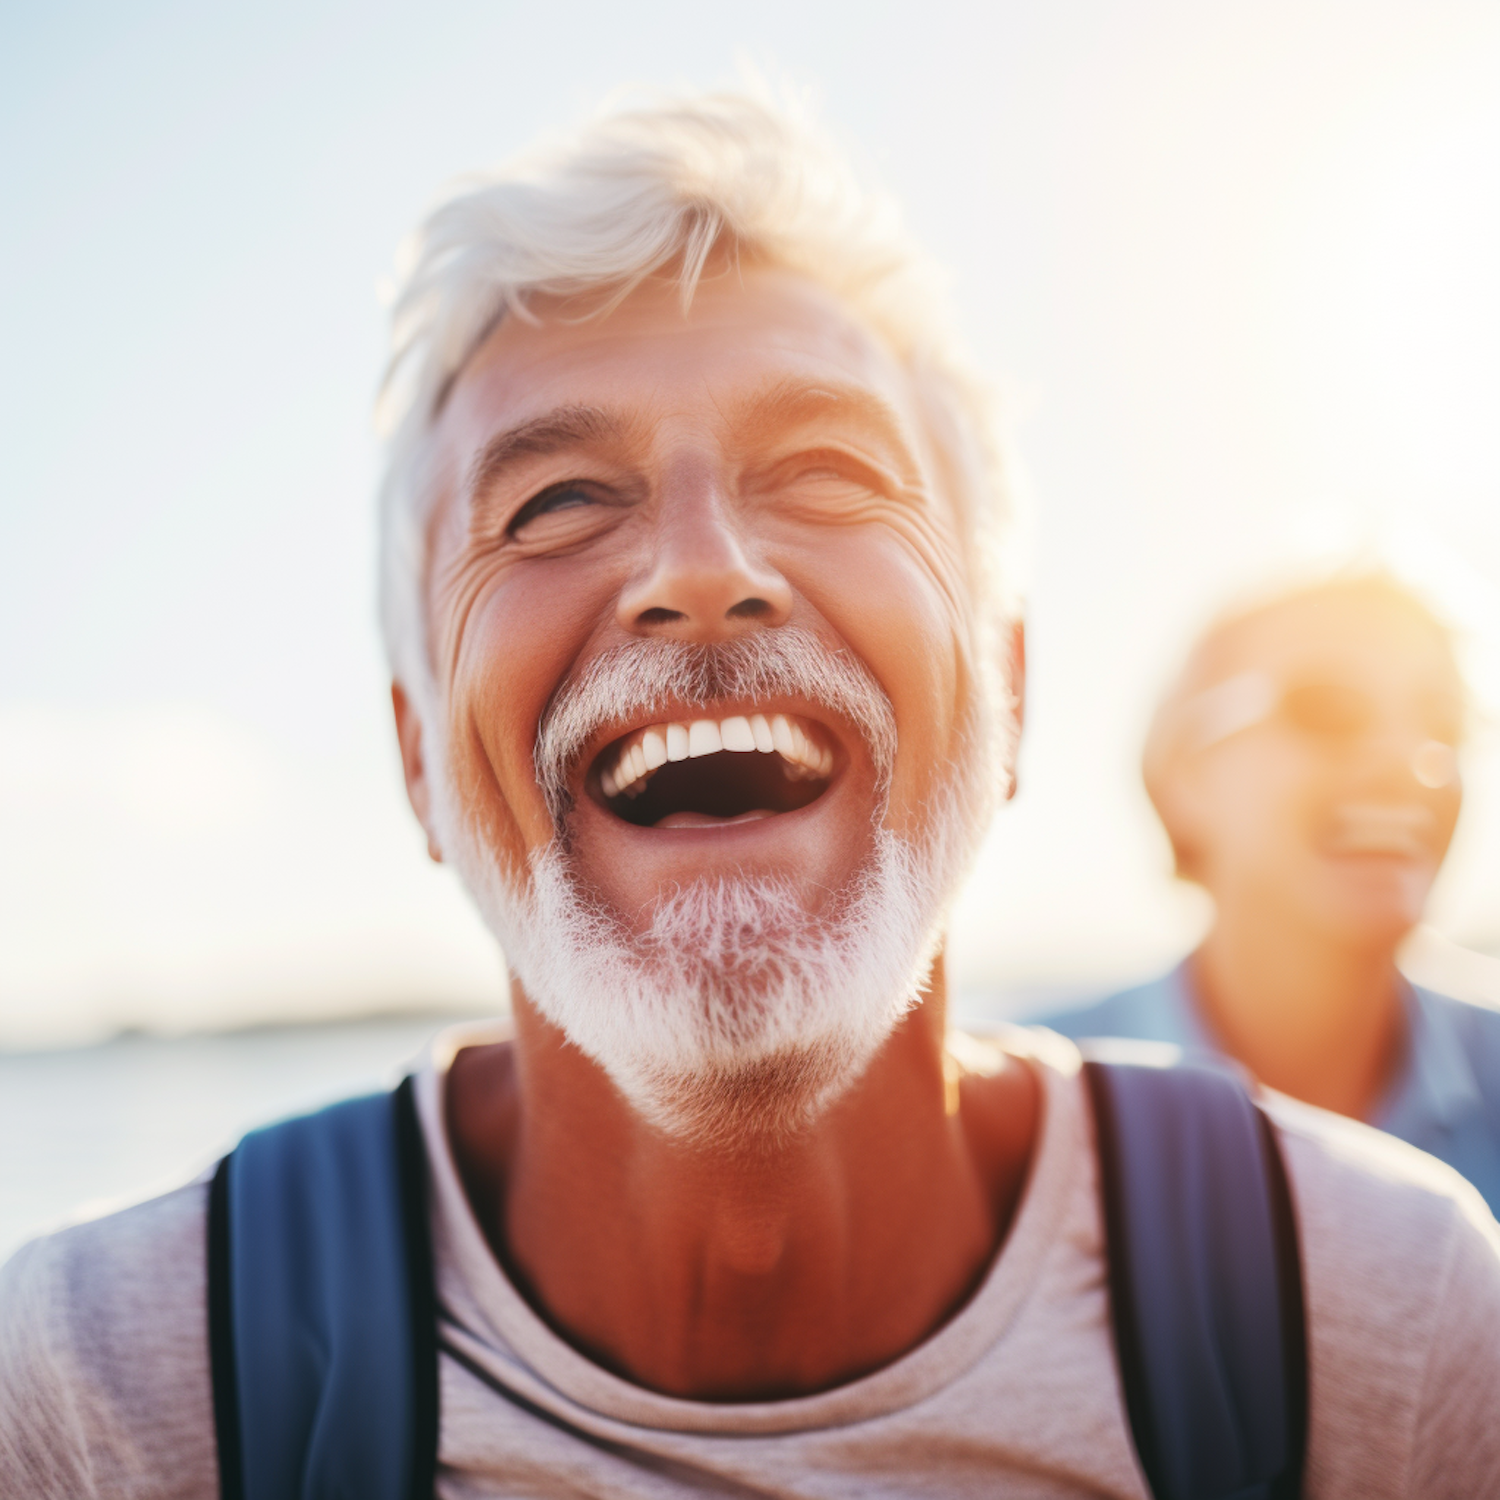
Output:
[[84, 1129], [87, 1128]]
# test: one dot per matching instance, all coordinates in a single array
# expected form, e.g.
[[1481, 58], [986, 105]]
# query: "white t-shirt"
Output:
[[104, 1375]]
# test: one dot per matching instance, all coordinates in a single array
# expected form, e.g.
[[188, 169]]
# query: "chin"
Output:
[[735, 1013], [731, 1012], [1376, 908]]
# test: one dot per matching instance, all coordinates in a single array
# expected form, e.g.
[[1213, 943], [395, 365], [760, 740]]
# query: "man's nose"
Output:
[[701, 582]]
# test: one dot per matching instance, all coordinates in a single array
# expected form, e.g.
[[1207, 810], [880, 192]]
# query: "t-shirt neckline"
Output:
[[477, 1295]]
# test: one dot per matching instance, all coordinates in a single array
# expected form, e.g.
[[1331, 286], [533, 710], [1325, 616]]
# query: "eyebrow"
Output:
[[796, 403], [785, 404], [555, 431]]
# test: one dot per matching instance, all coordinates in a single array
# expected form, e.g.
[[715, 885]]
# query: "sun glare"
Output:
[[1394, 307]]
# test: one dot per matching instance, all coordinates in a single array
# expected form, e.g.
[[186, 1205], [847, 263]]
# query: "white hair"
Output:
[[660, 191]]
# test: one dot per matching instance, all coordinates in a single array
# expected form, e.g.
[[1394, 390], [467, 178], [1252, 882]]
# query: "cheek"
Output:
[[517, 642], [1253, 805], [904, 623]]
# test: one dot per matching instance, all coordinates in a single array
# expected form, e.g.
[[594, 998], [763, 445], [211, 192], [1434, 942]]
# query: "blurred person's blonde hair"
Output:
[[677, 190], [1171, 733]]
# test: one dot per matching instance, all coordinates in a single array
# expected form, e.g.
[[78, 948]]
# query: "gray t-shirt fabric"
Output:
[[104, 1387]]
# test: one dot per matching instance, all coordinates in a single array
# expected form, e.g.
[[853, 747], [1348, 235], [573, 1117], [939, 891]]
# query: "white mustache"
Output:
[[640, 681]]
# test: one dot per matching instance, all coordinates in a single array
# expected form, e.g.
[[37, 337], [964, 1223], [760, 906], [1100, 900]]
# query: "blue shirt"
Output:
[[1445, 1097]]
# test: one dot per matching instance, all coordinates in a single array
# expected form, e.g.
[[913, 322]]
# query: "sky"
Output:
[[1233, 266]]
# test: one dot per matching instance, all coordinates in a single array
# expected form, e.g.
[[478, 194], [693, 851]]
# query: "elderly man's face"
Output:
[[756, 465]]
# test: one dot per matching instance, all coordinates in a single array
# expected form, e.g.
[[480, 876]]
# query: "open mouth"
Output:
[[705, 772]]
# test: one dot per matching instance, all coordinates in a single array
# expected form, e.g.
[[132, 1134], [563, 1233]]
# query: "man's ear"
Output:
[[1013, 651], [414, 764]]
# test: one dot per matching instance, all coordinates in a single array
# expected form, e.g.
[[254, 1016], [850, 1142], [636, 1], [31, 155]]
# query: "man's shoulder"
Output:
[[1137, 1013], [1359, 1171], [1381, 1206], [104, 1354], [1401, 1272], [1476, 1028], [1481, 1017], [117, 1267]]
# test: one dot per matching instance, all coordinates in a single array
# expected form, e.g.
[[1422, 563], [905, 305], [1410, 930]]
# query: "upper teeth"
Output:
[[633, 761]]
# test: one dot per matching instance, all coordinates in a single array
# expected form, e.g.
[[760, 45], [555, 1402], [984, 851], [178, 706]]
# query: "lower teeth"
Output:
[[708, 820]]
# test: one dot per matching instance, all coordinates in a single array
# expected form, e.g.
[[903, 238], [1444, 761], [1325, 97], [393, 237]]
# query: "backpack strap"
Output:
[[1205, 1282], [322, 1312]]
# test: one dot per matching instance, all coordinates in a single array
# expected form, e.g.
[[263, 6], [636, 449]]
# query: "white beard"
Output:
[[735, 1005], [736, 1014]]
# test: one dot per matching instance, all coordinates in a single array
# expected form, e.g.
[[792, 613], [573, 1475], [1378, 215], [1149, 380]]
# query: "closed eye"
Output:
[[556, 497], [836, 464], [837, 468]]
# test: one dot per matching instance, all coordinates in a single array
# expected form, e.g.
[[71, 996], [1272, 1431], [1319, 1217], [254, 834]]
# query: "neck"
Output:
[[757, 1270], [1312, 1016]]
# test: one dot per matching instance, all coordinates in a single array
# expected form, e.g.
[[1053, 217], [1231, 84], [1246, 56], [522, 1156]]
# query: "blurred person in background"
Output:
[[1305, 767], [706, 662]]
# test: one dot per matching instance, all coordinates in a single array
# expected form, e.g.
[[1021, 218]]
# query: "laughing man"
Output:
[[707, 665]]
